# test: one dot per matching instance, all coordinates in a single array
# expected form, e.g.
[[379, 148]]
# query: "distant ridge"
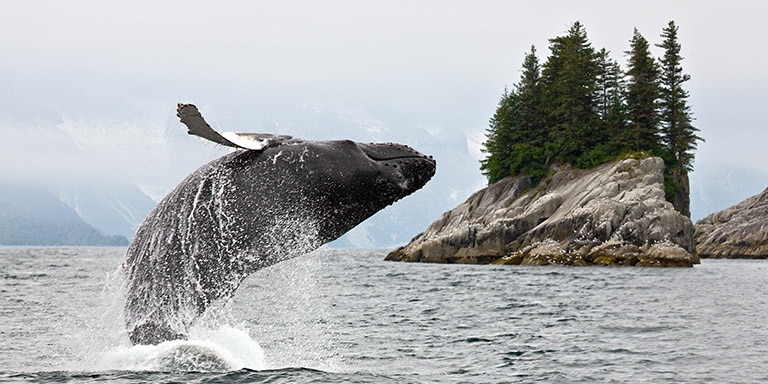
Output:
[[112, 208], [31, 215]]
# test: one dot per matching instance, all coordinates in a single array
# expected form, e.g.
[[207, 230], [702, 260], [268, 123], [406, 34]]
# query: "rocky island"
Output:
[[620, 195], [613, 214], [738, 232]]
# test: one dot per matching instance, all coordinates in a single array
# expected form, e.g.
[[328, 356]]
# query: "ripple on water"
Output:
[[349, 316]]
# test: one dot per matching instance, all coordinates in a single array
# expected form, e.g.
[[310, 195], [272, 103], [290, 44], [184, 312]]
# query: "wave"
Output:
[[222, 350], [277, 376]]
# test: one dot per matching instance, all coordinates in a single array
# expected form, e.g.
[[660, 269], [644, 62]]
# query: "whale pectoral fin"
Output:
[[197, 125], [255, 141]]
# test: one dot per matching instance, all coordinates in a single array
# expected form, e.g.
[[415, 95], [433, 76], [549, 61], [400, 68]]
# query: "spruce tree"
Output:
[[498, 142], [517, 133], [579, 107], [679, 135], [568, 79], [611, 104], [529, 113], [609, 87], [643, 92]]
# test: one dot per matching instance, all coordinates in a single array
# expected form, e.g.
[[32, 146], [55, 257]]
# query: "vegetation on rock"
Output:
[[581, 108]]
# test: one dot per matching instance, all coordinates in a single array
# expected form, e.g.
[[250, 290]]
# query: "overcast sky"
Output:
[[428, 63]]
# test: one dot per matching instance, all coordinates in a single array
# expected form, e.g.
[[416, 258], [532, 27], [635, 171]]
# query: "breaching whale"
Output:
[[275, 198]]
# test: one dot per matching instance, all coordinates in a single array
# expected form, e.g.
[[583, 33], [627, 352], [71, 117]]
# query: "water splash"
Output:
[[102, 342], [225, 349], [275, 321]]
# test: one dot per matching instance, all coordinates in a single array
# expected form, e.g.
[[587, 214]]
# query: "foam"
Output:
[[224, 349]]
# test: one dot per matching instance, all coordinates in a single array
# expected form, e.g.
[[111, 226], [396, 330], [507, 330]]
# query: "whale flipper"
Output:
[[197, 126]]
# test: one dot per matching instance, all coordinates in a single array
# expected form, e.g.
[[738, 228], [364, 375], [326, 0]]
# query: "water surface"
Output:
[[348, 316]]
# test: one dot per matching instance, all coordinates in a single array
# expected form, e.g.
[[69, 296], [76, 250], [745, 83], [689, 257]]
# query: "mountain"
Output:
[[93, 161], [113, 208], [31, 215]]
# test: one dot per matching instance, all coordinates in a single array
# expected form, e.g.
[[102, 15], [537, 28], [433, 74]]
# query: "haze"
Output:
[[88, 88]]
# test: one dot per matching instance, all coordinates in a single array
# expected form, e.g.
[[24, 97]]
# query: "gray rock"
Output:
[[614, 214], [740, 231]]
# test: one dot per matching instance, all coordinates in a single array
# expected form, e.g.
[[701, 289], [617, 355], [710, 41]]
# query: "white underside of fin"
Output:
[[247, 141]]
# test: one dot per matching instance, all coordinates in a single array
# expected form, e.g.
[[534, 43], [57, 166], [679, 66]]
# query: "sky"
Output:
[[108, 74]]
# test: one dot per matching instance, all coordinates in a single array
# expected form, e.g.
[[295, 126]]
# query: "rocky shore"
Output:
[[738, 232], [614, 214]]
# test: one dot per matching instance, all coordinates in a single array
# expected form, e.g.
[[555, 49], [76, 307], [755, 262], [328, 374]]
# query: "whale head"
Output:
[[334, 184]]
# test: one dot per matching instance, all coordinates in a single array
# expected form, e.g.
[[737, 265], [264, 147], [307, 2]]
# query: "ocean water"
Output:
[[347, 316]]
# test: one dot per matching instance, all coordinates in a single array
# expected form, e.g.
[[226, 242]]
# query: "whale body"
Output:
[[273, 199]]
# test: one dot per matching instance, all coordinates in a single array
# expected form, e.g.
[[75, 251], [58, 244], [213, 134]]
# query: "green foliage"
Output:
[[680, 138], [642, 96], [579, 107], [595, 156], [569, 84], [517, 133]]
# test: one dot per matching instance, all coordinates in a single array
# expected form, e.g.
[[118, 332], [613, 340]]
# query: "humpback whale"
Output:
[[276, 197]]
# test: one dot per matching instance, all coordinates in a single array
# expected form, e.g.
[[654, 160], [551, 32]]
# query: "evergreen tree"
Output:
[[643, 92], [517, 134], [679, 135], [609, 86], [581, 108], [498, 142], [610, 102], [568, 79], [529, 114]]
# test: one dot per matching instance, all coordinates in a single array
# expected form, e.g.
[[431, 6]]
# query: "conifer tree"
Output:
[[679, 135], [529, 113], [568, 79], [610, 101], [642, 97], [579, 107], [517, 134], [498, 142], [609, 87]]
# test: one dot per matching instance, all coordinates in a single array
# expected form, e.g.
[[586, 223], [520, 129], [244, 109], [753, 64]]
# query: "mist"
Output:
[[89, 90]]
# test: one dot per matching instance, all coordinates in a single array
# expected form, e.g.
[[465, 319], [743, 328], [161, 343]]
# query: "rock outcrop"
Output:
[[614, 214], [738, 232]]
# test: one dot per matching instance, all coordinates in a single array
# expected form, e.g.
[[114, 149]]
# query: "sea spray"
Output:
[[275, 321], [95, 340], [281, 305], [277, 307], [225, 349], [98, 325]]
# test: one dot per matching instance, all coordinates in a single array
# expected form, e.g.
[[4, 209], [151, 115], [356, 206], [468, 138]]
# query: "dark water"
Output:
[[348, 316]]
